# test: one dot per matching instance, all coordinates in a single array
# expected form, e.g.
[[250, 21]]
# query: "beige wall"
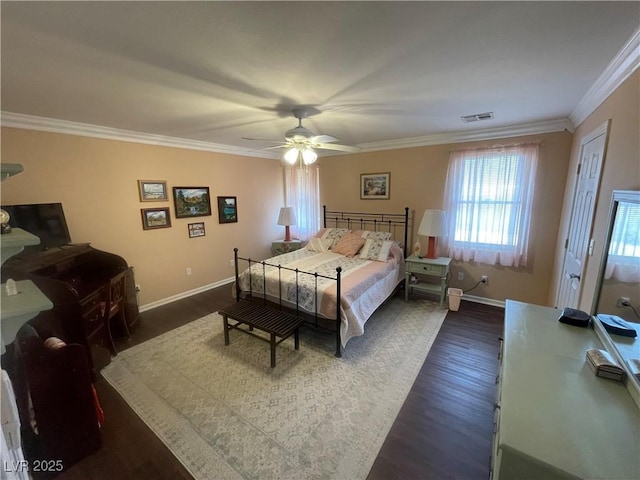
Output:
[[417, 181], [96, 181], [621, 171]]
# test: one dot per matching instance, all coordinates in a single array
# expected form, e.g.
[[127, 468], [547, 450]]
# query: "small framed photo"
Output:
[[153, 218], [227, 210], [152, 190], [196, 230], [191, 201], [374, 186]]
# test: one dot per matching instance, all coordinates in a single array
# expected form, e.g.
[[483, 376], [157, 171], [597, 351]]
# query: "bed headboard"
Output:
[[396, 223]]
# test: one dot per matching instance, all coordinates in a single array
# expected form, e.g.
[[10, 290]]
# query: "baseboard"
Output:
[[188, 293], [204, 288], [483, 300]]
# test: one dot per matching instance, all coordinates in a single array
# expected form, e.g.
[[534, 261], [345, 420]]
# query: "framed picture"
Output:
[[191, 201], [374, 186], [153, 218], [152, 190], [196, 230], [227, 210]]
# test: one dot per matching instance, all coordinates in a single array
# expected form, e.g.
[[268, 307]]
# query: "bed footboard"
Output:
[[309, 318]]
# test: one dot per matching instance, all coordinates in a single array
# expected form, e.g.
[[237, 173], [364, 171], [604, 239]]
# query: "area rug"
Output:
[[225, 414]]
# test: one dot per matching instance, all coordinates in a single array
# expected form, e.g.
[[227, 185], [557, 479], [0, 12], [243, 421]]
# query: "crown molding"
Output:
[[619, 69], [44, 124], [534, 128], [30, 122]]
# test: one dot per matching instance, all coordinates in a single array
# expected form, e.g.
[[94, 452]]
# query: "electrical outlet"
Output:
[[485, 279], [232, 263], [188, 270], [623, 302], [460, 275], [138, 287]]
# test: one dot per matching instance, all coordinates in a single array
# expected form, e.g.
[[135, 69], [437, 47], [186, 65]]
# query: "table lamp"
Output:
[[432, 226], [287, 217]]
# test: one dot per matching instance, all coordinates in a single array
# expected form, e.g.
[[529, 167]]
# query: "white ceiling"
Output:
[[376, 74]]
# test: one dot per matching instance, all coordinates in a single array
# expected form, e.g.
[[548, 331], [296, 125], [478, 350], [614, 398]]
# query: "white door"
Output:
[[578, 243]]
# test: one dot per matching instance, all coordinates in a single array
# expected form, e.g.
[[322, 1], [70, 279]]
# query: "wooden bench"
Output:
[[276, 323]]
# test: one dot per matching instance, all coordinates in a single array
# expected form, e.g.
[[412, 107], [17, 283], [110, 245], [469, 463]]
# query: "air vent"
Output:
[[477, 117]]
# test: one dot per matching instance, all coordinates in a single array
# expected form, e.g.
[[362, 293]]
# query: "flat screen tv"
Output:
[[45, 220]]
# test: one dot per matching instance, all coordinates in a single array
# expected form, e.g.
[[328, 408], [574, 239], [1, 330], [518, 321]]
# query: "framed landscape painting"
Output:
[[227, 210], [374, 186], [153, 218], [191, 201], [152, 190]]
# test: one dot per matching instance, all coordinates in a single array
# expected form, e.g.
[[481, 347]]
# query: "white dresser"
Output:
[[554, 418]]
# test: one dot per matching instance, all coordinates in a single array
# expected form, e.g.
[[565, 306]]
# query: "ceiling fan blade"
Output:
[[323, 139], [270, 148], [333, 146], [261, 140]]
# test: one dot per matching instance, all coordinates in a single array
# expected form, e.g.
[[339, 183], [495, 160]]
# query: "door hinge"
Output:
[[566, 243], [579, 167]]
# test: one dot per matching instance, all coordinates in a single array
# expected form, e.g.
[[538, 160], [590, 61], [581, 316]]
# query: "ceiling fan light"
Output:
[[291, 156], [309, 156]]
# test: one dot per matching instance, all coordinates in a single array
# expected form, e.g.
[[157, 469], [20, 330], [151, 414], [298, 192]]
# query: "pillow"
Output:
[[318, 245], [349, 245], [382, 236], [374, 250], [333, 234]]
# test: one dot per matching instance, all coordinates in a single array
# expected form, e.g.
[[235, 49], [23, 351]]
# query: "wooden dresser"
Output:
[[554, 419], [76, 279]]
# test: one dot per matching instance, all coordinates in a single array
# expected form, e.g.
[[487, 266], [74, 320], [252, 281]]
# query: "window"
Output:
[[488, 198], [302, 185]]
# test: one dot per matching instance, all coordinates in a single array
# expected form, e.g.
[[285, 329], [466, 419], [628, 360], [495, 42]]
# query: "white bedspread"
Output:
[[365, 284]]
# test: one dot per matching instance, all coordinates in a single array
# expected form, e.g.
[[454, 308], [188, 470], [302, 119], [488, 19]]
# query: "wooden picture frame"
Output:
[[153, 218], [227, 210], [153, 190], [191, 201], [375, 186], [196, 230]]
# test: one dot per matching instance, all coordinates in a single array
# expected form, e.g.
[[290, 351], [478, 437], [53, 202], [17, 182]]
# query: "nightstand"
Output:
[[282, 246], [434, 267]]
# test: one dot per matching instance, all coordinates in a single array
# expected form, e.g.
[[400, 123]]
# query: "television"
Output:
[[45, 220]]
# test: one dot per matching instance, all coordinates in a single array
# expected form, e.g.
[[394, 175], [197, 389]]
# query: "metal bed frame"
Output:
[[351, 220]]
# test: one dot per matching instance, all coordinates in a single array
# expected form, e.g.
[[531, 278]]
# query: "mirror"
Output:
[[619, 277]]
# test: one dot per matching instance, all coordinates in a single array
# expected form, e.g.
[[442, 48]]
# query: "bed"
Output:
[[343, 274]]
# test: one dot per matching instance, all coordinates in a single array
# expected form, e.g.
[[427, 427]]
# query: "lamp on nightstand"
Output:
[[287, 217], [432, 226]]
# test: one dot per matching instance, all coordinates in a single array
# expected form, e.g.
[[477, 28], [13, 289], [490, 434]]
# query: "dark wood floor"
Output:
[[443, 431]]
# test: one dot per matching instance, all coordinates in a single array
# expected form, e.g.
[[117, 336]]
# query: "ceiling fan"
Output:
[[301, 143]]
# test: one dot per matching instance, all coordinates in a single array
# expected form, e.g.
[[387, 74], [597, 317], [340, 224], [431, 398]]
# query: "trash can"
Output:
[[455, 294]]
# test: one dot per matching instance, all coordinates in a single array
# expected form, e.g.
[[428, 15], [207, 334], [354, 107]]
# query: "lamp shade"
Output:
[[304, 153], [309, 156], [291, 156], [287, 216], [432, 224]]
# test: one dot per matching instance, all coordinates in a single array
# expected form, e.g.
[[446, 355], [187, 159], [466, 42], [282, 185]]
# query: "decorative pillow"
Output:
[[349, 245], [333, 234], [374, 250], [318, 245], [381, 236]]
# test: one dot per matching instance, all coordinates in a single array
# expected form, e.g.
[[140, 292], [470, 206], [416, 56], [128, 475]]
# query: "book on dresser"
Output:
[[603, 365]]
